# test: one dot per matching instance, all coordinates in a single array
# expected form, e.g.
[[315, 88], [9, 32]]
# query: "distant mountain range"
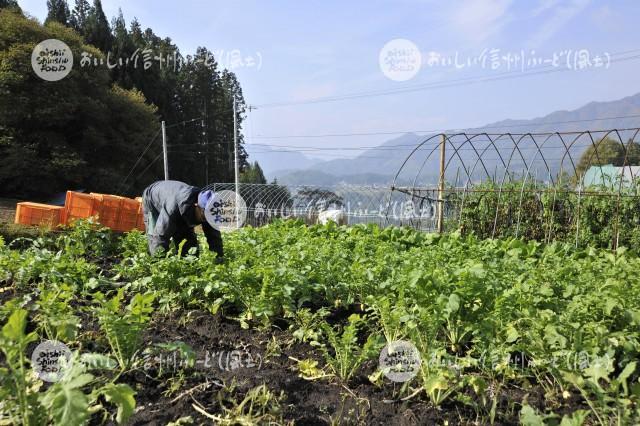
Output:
[[278, 162], [379, 165]]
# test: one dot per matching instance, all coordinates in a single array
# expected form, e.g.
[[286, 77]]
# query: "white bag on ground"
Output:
[[335, 215]]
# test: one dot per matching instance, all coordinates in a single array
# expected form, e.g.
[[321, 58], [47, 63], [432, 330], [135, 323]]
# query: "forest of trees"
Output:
[[89, 129]]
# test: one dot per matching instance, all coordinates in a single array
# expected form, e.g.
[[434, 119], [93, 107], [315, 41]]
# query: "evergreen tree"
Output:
[[58, 12], [79, 16], [193, 96], [259, 174], [136, 33], [120, 33], [253, 174], [90, 140], [233, 91], [122, 49], [158, 85], [98, 32], [10, 4]]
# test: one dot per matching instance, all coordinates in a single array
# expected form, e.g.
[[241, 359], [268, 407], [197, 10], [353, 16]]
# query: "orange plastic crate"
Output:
[[79, 206], [39, 214], [140, 221], [109, 207], [115, 212], [128, 215], [118, 213]]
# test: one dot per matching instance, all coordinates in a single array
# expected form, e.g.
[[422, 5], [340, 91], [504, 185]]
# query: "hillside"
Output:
[[371, 167]]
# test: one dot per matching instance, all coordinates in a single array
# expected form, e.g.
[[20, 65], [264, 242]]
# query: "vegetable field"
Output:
[[290, 329]]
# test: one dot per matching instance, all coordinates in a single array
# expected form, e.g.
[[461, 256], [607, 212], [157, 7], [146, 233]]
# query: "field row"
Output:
[[506, 330]]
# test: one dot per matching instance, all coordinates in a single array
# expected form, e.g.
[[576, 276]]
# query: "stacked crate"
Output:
[[129, 214], [110, 211], [140, 216], [115, 212], [78, 205], [39, 214]]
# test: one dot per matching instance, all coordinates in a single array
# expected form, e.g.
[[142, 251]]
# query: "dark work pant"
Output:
[[150, 215], [191, 240], [187, 235], [214, 237], [215, 242]]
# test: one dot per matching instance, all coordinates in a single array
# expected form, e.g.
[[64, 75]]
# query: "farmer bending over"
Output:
[[173, 209]]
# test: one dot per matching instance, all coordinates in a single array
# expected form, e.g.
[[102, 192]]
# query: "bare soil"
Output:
[[318, 402], [7, 210]]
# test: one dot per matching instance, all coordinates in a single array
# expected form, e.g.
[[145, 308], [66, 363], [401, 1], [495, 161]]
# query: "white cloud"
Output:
[[545, 5], [560, 13], [607, 19], [478, 20], [313, 91]]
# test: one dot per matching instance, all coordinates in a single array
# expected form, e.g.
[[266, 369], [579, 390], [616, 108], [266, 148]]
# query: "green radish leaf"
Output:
[[98, 361], [16, 325], [625, 374], [435, 383], [599, 369], [529, 417], [67, 406], [609, 305], [454, 303], [512, 334], [577, 418], [477, 270], [123, 397]]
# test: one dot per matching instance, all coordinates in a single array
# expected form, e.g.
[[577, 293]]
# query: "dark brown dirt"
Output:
[[167, 390], [318, 402], [7, 210]]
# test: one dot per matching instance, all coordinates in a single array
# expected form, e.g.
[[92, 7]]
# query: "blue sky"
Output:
[[313, 49]]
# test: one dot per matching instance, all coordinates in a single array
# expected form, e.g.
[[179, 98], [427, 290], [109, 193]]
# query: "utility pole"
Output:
[[236, 165], [164, 151], [206, 145], [441, 185]]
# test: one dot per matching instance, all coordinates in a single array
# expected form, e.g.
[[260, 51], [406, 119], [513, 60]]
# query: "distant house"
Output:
[[610, 175]]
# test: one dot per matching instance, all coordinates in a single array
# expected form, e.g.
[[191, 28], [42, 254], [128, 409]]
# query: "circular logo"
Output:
[[400, 59], [226, 210], [399, 361], [52, 60], [45, 360]]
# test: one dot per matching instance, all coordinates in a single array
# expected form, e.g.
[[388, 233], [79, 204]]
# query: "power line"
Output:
[[440, 130], [146, 168], [411, 147], [319, 150], [392, 147], [182, 123], [220, 142], [436, 85], [139, 158], [149, 146], [286, 152], [468, 80], [482, 151], [150, 164]]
